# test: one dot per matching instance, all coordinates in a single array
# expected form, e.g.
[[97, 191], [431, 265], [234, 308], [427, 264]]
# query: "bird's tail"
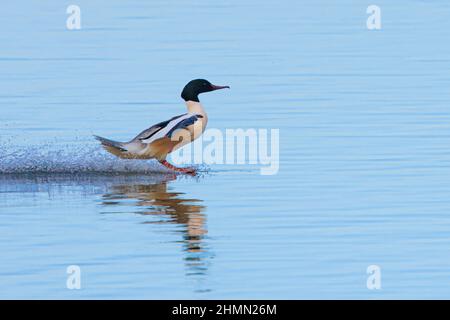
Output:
[[114, 147]]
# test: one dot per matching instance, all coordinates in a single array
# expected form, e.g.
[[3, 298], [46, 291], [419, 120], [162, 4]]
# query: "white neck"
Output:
[[195, 107]]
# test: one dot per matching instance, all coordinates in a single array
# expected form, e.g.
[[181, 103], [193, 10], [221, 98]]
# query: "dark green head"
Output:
[[195, 87]]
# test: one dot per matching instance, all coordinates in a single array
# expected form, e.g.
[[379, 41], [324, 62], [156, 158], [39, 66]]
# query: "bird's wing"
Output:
[[167, 128], [150, 132]]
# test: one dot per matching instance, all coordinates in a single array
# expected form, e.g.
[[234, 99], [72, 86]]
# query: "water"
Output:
[[364, 161]]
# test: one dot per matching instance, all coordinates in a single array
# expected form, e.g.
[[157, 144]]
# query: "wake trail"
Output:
[[69, 158]]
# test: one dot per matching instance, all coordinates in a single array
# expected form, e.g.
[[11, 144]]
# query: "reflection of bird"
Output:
[[158, 200], [163, 138]]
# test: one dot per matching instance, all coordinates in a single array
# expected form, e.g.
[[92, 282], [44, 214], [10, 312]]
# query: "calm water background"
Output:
[[364, 142]]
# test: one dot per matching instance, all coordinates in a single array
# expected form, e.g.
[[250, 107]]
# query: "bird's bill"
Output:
[[219, 87]]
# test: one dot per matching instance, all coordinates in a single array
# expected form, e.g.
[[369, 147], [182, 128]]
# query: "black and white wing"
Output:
[[150, 132], [167, 128]]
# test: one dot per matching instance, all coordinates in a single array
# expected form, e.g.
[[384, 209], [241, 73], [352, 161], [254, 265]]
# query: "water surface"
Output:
[[364, 161]]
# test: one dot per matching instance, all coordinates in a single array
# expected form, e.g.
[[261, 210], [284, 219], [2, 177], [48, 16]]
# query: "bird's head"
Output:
[[195, 87]]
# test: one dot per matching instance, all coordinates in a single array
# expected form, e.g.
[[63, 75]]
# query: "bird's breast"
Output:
[[197, 129], [191, 132]]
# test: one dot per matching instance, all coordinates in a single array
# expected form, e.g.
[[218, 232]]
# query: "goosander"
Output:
[[161, 139]]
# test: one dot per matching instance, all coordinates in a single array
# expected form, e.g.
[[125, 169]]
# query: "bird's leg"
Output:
[[177, 169]]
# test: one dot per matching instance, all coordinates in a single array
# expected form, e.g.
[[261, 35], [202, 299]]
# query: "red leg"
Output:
[[177, 169]]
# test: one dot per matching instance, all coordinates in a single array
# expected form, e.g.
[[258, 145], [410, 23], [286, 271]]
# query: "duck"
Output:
[[161, 139]]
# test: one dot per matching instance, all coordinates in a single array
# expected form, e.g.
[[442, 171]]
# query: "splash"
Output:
[[69, 158]]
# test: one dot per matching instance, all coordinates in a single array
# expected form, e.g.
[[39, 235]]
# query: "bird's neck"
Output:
[[195, 107]]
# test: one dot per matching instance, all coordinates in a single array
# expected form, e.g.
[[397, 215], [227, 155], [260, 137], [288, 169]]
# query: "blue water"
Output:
[[364, 159]]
